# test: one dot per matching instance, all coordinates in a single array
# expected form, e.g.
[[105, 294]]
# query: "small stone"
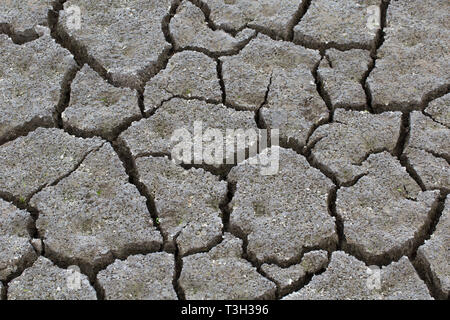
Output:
[[16, 252], [98, 108], [347, 278], [139, 277], [222, 274], [433, 172], [45, 281], [94, 215], [293, 106]]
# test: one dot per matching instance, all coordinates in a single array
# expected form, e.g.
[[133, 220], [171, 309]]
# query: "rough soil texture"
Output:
[[139, 277], [342, 24], [346, 278], [112, 185], [412, 62], [17, 251], [284, 214], [222, 273], [32, 77], [433, 256], [46, 281]]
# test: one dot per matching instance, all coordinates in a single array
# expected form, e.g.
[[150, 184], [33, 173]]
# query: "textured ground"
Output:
[[87, 115]]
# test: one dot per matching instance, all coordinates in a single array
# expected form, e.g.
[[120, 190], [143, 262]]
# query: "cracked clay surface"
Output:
[[99, 98]]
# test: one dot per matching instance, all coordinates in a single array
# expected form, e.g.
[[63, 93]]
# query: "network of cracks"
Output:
[[85, 149]]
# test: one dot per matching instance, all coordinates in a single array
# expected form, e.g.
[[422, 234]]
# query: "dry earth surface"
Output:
[[88, 188]]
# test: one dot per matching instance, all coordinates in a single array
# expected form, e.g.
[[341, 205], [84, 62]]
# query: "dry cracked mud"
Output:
[[141, 277], [284, 214], [94, 215], [46, 281], [343, 24], [347, 278], [222, 273], [21, 19], [411, 63], [433, 255], [17, 251], [99, 100]]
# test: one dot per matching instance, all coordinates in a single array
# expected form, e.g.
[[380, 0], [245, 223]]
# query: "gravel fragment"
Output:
[[45, 281], [314, 261], [341, 146], [21, 19], [439, 110], [428, 151], [282, 214], [385, 212], [289, 278], [222, 274], [186, 202], [188, 74], [31, 76], [434, 255], [342, 24], [124, 40], [154, 135], [274, 17], [16, 252], [30, 163], [413, 59], [139, 277], [341, 74], [98, 108], [293, 106], [189, 29], [38, 245], [94, 215], [347, 278], [247, 75]]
